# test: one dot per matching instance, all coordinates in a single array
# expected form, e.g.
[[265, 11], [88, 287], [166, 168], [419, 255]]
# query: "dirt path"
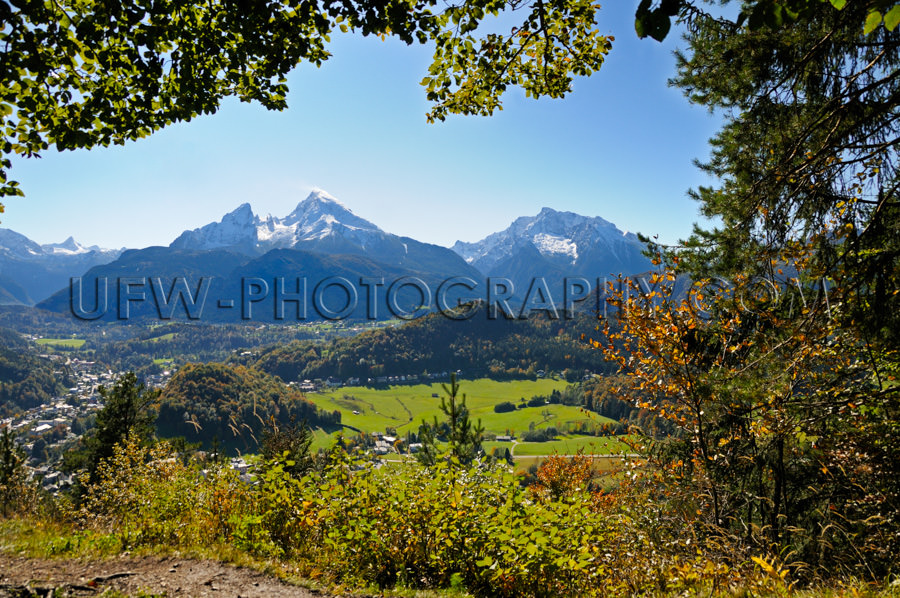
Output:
[[170, 576]]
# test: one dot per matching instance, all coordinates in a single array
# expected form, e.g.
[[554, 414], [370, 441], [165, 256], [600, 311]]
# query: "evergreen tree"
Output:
[[784, 392], [808, 155], [462, 437], [126, 410], [12, 471]]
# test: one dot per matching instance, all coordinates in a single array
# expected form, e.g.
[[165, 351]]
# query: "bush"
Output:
[[504, 407], [537, 401], [146, 496], [424, 527], [448, 525], [542, 435]]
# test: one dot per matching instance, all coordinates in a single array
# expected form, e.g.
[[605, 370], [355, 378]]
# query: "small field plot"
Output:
[[322, 439], [364, 408], [520, 420], [591, 445], [68, 343], [163, 337]]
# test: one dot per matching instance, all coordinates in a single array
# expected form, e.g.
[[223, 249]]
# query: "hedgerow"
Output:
[[361, 523]]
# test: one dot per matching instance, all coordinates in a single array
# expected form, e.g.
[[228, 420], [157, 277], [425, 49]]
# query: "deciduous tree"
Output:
[[780, 368], [78, 74], [780, 420]]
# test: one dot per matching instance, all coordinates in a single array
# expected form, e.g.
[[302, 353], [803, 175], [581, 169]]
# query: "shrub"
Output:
[[425, 527], [450, 525], [537, 401], [145, 496], [542, 435]]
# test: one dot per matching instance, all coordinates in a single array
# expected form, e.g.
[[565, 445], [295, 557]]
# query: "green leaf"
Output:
[[892, 18], [839, 4], [661, 27], [643, 19], [872, 21], [670, 7], [639, 27], [485, 562]]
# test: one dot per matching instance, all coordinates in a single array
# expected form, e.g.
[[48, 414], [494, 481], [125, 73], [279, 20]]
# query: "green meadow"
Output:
[[565, 445], [70, 343], [404, 407], [163, 337]]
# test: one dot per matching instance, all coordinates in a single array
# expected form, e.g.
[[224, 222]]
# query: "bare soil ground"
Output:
[[22, 577]]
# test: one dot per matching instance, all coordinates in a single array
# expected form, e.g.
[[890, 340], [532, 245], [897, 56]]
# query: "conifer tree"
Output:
[[462, 437], [126, 411], [12, 473]]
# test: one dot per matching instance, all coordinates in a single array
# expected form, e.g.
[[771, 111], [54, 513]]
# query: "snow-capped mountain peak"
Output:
[[15, 244], [237, 228], [320, 195], [242, 213], [320, 210], [317, 217], [565, 240], [70, 245]]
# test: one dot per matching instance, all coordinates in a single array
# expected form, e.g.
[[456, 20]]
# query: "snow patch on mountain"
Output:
[[274, 231], [72, 247], [555, 245]]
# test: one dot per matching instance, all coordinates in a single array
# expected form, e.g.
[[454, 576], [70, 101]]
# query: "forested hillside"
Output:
[[183, 342], [231, 405], [26, 380], [478, 346]]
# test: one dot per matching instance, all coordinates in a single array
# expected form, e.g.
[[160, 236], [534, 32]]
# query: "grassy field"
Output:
[[404, 408], [163, 361], [567, 445], [163, 337], [322, 439], [71, 343], [591, 445]]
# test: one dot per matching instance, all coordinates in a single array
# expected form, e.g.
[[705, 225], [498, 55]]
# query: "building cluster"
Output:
[[158, 380], [51, 426], [319, 384]]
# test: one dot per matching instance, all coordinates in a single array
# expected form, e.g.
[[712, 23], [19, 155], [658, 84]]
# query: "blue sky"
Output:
[[620, 146]]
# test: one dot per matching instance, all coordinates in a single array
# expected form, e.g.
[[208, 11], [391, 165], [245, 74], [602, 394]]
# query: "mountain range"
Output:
[[321, 238], [30, 272], [318, 217], [321, 224]]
